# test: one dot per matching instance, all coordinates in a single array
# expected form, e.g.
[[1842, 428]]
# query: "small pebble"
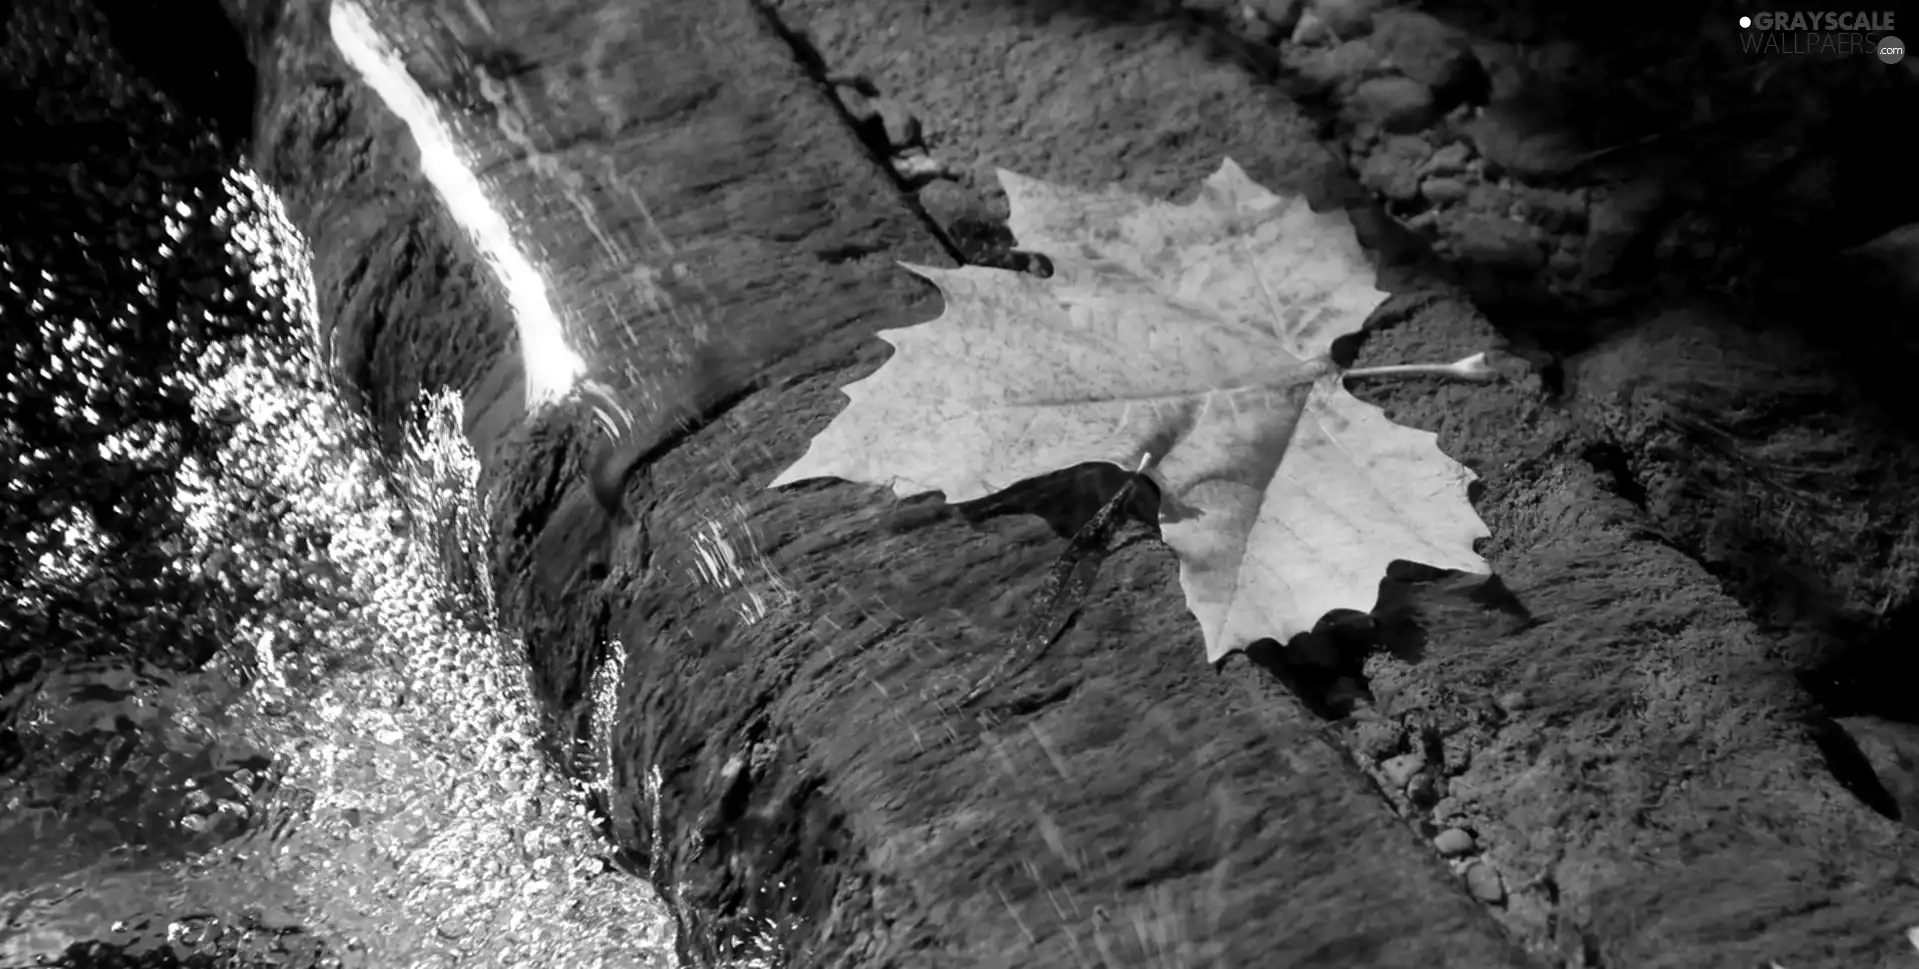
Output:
[[1396, 104], [1325, 69], [1423, 790], [1448, 160], [1385, 174], [1526, 138], [1555, 211], [917, 167], [1442, 190], [1375, 736], [1260, 31], [1453, 842], [1498, 243], [1341, 18], [1429, 51], [858, 106], [902, 126], [1400, 770], [1282, 14], [1484, 882]]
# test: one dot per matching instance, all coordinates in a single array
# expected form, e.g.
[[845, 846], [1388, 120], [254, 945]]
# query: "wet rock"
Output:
[[1283, 15], [1423, 790], [1393, 171], [858, 106], [1893, 751], [948, 203], [1553, 211], [1400, 770], [1506, 73], [1426, 221], [1259, 31], [1490, 198], [901, 127], [1484, 882], [1373, 736], [1365, 136], [1449, 160], [1432, 52], [1411, 150], [1456, 750], [1498, 243], [1441, 191], [1395, 104], [1529, 137], [915, 167], [1342, 19], [1615, 224], [1345, 694], [1453, 842], [1383, 175], [1323, 70]]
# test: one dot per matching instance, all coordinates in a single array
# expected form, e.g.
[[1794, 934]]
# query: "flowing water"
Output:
[[366, 768], [355, 776]]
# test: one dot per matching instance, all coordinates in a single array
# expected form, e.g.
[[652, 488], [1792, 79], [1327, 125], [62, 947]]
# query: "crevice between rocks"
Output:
[[808, 56]]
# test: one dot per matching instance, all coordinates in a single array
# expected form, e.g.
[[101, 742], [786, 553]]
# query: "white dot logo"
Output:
[[1745, 21]]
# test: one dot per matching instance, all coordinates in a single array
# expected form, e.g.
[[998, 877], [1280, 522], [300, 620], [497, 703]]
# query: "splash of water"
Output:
[[365, 766]]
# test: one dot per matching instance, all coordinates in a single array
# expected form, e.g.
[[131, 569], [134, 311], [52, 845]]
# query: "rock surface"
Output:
[[811, 782], [1636, 690], [1619, 698]]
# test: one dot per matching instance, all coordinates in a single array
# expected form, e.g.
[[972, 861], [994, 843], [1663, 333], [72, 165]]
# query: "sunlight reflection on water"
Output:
[[726, 555], [551, 366], [373, 776], [380, 785]]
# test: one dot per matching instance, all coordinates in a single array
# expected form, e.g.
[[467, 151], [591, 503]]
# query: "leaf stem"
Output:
[[1474, 368]]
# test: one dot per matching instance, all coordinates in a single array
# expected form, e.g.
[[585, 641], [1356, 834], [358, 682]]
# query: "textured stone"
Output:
[[1399, 770], [1430, 51], [1395, 104], [1484, 882], [1453, 842], [902, 837]]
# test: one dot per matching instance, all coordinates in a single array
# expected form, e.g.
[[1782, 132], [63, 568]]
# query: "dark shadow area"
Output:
[[192, 53], [244, 944], [1698, 161], [1612, 462], [1326, 668], [1851, 768], [1067, 500], [1875, 677]]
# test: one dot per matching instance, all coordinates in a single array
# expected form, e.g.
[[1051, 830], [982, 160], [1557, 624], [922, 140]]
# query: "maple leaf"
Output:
[[1194, 338]]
